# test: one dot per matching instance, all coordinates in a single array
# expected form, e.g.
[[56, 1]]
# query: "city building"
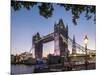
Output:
[[54, 59]]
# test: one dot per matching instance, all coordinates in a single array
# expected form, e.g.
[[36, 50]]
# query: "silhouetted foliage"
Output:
[[46, 9], [77, 10]]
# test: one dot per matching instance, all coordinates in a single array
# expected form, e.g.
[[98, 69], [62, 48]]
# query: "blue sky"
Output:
[[25, 24]]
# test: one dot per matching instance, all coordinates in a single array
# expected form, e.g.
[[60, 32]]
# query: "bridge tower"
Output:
[[61, 48], [73, 46], [37, 45]]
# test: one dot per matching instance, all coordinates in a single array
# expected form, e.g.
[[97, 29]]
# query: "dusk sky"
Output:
[[25, 23]]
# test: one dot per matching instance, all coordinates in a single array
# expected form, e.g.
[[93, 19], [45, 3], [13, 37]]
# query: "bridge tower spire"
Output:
[[67, 32], [73, 45]]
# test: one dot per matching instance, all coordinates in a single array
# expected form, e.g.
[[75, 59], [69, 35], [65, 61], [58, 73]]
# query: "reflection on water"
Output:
[[22, 69]]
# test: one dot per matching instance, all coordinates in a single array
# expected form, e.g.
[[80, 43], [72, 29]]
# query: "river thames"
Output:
[[22, 69]]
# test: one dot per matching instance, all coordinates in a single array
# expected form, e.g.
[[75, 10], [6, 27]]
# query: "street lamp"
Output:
[[86, 42]]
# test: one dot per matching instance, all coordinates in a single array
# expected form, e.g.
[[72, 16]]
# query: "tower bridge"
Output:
[[61, 41]]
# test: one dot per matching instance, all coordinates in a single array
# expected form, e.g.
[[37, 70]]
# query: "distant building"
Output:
[[30, 60], [54, 59], [91, 52], [25, 57], [13, 58]]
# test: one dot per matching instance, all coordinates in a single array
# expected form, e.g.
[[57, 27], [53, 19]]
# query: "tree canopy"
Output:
[[46, 9]]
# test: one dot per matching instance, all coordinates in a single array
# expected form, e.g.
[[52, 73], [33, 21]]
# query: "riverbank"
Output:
[[27, 69]]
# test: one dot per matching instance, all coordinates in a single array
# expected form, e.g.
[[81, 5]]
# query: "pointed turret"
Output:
[[73, 46], [55, 25], [61, 24], [73, 39], [66, 31], [67, 27], [61, 21]]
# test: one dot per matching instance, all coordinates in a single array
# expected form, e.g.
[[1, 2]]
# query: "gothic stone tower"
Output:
[[61, 48], [37, 44]]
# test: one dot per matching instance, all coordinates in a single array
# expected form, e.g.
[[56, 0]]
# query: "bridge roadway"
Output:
[[50, 37], [46, 38]]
